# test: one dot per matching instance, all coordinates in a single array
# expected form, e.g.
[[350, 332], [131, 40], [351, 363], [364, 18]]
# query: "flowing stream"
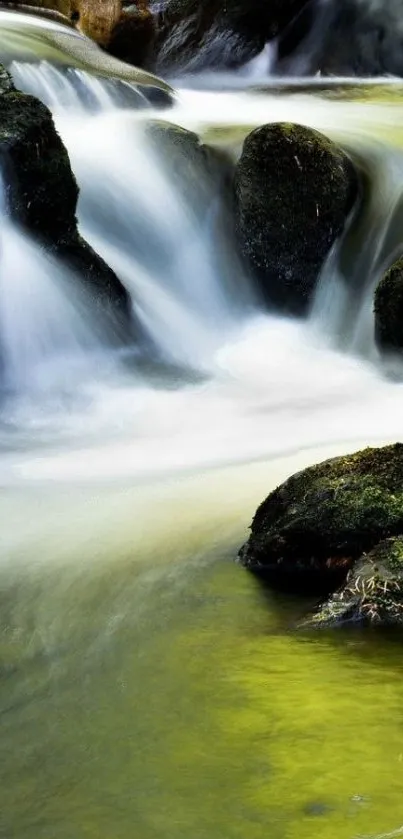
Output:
[[148, 686]]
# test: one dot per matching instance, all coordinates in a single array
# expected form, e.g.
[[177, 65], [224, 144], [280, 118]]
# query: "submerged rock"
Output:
[[41, 194], [199, 34], [308, 533], [197, 170], [372, 593], [294, 191], [388, 306]]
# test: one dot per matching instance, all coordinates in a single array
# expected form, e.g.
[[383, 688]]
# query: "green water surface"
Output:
[[169, 697]]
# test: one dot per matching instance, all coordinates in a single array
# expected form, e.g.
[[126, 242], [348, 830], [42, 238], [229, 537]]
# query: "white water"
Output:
[[261, 386], [44, 324]]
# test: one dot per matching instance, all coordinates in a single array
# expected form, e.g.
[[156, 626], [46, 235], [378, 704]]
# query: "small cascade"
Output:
[[343, 307], [186, 286], [75, 90], [46, 332]]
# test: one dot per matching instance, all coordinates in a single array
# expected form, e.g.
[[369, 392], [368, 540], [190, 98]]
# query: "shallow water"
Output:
[[149, 686]]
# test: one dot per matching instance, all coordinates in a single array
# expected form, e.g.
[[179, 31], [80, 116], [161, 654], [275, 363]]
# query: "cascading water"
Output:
[[193, 301]]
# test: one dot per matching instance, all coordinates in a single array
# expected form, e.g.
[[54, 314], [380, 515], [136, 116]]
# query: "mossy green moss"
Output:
[[294, 191], [311, 529], [388, 307]]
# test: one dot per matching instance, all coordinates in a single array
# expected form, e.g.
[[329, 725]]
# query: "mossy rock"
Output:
[[308, 533], [294, 191], [388, 306], [372, 593], [41, 195], [199, 34]]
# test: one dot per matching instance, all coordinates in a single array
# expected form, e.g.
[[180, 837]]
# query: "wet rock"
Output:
[[372, 593], [133, 36], [199, 171], [294, 191], [361, 38], [199, 34], [309, 532], [388, 306], [316, 809], [6, 82], [41, 194]]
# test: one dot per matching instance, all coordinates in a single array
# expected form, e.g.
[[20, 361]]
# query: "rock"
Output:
[[133, 37], [294, 191], [6, 82], [308, 533], [200, 172], [95, 18], [199, 34], [361, 38], [41, 194], [388, 307], [372, 593]]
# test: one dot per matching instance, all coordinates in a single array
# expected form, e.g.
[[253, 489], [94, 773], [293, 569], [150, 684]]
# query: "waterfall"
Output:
[[216, 379]]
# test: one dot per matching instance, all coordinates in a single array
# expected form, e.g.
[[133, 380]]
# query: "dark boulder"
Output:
[[372, 593], [198, 34], [41, 195], [361, 38], [310, 531], [388, 306], [294, 191]]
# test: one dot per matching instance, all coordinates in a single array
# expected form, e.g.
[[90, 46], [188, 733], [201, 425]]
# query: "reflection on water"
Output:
[[149, 687]]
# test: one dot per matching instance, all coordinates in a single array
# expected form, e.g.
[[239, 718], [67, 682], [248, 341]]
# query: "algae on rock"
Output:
[[308, 533]]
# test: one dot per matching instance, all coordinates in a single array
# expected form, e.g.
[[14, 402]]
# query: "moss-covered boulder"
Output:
[[308, 533], [294, 191], [388, 306], [372, 593], [41, 195], [199, 34]]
